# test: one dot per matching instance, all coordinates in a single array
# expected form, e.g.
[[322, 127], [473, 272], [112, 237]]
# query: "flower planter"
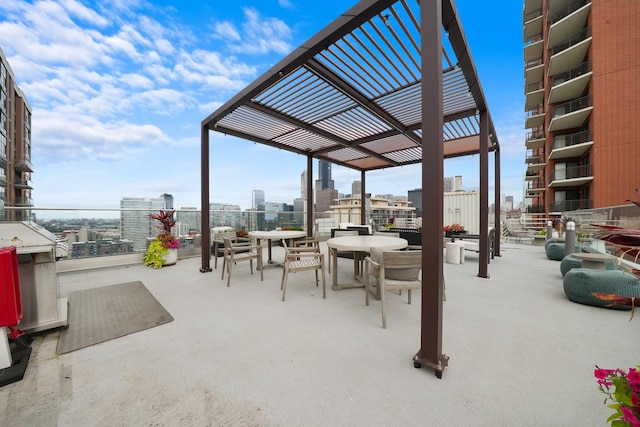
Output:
[[171, 258], [451, 233]]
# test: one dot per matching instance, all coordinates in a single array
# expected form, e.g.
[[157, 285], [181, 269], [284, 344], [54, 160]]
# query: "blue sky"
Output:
[[118, 89]]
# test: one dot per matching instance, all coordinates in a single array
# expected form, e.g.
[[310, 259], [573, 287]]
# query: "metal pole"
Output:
[[430, 353], [205, 232]]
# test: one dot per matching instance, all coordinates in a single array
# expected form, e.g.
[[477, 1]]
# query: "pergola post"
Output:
[[497, 223], [483, 260], [430, 353], [205, 233], [309, 200], [363, 209]]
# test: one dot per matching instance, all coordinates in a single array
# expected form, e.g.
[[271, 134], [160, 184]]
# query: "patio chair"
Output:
[[218, 244], [395, 270], [302, 259], [234, 253]]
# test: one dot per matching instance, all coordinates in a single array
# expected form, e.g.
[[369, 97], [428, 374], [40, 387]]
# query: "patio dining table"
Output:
[[360, 246], [269, 236]]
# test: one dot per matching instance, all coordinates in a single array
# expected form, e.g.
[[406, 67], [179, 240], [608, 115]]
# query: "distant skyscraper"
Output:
[[303, 184], [415, 197], [324, 176], [325, 192], [356, 188], [257, 199], [168, 200], [135, 222]]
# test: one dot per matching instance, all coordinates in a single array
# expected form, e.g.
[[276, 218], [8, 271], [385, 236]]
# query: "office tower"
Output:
[[15, 145], [226, 215], [324, 176], [189, 220], [168, 201], [325, 193], [303, 184], [582, 87], [356, 188], [257, 199], [135, 222], [415, 197]]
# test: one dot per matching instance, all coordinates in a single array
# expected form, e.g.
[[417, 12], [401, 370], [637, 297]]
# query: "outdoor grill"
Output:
[[38, 252]]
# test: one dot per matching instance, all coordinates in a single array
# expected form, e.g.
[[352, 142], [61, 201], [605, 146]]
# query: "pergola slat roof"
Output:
[[352, 94]]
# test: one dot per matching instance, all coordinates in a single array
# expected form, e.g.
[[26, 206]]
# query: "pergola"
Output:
[[388, 83]]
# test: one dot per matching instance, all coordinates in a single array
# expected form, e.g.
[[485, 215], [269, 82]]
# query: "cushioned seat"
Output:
[[580, 283], [570, 262], [555, 251]]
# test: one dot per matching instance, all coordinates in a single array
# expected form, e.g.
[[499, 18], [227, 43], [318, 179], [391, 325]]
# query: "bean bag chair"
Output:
[[570, 262], [580, 283]]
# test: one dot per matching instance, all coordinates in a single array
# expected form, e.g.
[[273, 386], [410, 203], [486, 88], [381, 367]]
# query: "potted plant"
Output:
[[449, 230], [164, 249]]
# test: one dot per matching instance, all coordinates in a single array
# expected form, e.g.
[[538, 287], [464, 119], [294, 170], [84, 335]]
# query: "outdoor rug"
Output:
[[102, 314]]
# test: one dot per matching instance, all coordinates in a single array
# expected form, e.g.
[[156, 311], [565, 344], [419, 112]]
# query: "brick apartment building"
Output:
[[15, 145], [582, 87]]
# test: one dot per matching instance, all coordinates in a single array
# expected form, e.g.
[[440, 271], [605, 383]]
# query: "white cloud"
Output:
[[259, 35]]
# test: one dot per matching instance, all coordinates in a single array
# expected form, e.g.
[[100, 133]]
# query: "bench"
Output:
[[471, 242]]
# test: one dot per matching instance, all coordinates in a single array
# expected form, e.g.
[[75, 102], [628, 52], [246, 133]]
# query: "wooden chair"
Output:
[[218, 244], [234, 253], [302, 259], [395, 270]]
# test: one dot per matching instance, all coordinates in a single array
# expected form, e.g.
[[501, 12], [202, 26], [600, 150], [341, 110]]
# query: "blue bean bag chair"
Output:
[[555, 251], [580, 283], [570, 262]]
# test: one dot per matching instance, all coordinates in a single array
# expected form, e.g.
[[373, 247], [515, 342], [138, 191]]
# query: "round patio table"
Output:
[[360, 246], [276, 235]]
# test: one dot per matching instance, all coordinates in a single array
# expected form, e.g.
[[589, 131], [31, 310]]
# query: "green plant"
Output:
[[623, 390], [154, 255]]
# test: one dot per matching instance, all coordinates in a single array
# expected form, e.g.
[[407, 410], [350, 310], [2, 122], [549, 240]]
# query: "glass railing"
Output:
[[88, 233]]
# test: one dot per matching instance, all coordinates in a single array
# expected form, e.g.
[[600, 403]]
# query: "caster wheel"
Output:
[[417, 365], [439, 374]]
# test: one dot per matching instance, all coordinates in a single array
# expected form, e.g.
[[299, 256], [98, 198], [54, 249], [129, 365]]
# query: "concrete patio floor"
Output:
[[520, 354]]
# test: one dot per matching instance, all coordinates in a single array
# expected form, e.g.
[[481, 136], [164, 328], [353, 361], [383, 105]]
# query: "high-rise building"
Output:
[[582, 87], [257, 199], [356, 188], [135, 222], [15, 145], [415, 197], [168, 200], [303, 184], [325, 192]]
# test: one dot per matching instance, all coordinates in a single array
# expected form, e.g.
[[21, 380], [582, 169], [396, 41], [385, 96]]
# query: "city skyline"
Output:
[[118, 95]]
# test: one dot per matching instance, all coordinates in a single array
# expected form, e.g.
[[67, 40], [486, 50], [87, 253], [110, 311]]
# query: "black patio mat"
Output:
[[101, 314]]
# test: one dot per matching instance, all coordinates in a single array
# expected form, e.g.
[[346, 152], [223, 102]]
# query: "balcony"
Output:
[[535, 140], [568, 20], [535, 117], [23, 165], [573, 145], [22, 184], [571, 84], [533, 71], [574, 176], [569, 205], [534, 95], [532, 166], [535, 186], [535, 209], [570, 53], [571, 115], [532, 24], [24, 201], [533, 50]]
